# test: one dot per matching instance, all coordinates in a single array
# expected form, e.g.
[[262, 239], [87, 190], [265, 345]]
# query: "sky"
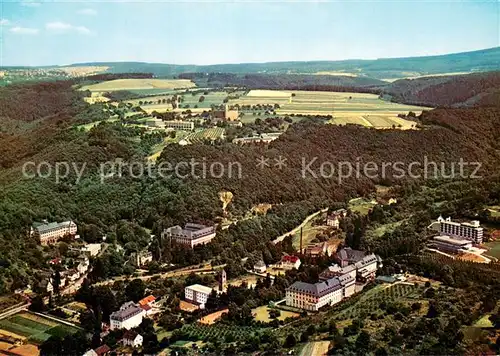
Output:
[[48, 32]]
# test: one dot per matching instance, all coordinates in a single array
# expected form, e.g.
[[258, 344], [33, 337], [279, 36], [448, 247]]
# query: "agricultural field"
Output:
[[218, 332], [316, 348], [35, 328], [370, 301], [140, 85], [262, 314], [346, 108], [211, 134]]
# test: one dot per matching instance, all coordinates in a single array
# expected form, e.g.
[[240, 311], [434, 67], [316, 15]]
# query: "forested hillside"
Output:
[[479, 89]]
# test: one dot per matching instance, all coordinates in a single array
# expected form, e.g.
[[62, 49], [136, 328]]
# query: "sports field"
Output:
[[35, 328], [139, 84], [345, 108]]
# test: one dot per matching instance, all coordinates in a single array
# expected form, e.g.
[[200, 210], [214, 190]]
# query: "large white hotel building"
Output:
[[468, 231]]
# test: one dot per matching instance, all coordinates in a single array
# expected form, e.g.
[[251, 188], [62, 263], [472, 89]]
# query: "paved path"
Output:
[[175, 273], [294, 231]]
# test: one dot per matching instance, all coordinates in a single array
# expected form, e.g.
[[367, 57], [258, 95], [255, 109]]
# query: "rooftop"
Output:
[[451, 240], [42, 227], [317, 289], [200, 289]]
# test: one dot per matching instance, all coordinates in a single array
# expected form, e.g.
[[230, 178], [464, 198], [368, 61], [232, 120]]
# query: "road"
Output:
[[176, 273], [294, 231]]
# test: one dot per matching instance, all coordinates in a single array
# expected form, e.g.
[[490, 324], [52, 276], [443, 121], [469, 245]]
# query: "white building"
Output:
[[289, 262], [260, 267], [191, 234], [129, 316], [91, 249], [50, 233], [366, 268], [311, 297], [468, 231], [132, 339], [197, 294]]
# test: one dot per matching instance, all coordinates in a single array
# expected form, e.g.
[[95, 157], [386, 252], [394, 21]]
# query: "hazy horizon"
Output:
[[46, 33]]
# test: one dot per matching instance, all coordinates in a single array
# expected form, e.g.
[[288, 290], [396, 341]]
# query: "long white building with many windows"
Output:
[[50, 233], [468, 231], [191, 234]]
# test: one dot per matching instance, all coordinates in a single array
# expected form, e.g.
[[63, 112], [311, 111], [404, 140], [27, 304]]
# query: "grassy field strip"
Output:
[[37, 329], [139, 84]]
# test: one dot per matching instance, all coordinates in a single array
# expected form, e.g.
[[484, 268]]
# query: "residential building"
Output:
[[129, 316], [450, 244], [148, 304], [325, 248], [260, 267], [289, 262], [311, 297], [333, 219], [141, 259], [103, 350], [132, 339], [191, 234], [346, 275], [91, 250], [197, 294], [50, 233], [468, 231]]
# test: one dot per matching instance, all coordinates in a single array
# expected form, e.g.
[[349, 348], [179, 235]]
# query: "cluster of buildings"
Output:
[[264, 138], [51, 233], [336, 282], [130, 314], [456, 237], [191, 235]]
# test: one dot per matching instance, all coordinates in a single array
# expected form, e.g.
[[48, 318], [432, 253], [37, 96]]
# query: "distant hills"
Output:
[[388, 68]]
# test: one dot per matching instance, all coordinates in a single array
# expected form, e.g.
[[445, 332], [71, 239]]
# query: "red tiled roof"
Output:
[[146, 307], [291, 259], [147, 300], [101, 350]]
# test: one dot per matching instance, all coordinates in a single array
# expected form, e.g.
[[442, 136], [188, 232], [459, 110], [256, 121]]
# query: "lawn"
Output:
[[361, 205], [36, 328], [494, 249], [262, 314]]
